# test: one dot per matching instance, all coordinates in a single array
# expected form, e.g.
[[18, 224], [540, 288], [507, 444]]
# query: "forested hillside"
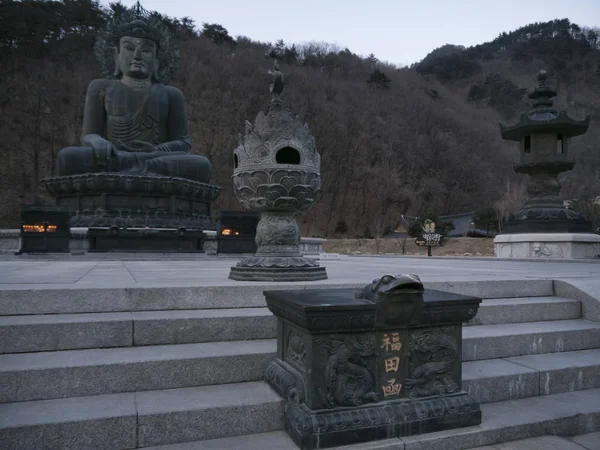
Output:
[[393, 141]]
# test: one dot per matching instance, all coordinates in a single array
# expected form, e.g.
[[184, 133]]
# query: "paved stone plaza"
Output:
[[161, 270]]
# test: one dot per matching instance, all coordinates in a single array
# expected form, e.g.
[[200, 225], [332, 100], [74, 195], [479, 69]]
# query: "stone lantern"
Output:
[[276, 173], [545, 227]]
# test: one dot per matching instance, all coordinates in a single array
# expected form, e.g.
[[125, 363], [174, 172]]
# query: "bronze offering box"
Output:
[[357, 368], [45, 229], [236, 231]]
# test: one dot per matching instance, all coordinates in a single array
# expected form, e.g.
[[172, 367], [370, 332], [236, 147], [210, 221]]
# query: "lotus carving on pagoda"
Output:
[[277, 189]]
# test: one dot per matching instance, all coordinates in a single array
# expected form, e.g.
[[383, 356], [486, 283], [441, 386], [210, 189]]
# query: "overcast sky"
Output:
[[396, 31]]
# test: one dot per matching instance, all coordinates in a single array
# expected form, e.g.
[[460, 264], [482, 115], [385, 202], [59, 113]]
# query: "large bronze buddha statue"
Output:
[[134, 124], [134, 168]]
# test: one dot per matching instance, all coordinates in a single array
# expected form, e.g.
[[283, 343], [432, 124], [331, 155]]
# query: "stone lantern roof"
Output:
[[542, 117]]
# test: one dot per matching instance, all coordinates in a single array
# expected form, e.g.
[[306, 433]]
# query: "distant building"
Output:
[[462, 226]]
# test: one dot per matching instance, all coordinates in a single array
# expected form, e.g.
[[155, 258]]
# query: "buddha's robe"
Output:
[[122, 115]]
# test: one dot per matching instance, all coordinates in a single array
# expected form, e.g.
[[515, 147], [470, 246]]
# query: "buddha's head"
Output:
[[136, 51]]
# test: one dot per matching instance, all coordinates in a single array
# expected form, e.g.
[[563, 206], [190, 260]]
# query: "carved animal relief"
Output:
[[432, 353]]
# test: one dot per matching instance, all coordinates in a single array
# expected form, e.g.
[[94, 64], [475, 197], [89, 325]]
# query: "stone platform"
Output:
[[135, 201], [548, 245], [79, 244]]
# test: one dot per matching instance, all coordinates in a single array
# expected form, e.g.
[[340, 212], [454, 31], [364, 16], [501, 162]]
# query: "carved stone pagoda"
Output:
[[277, 173], [543, 134], [545, 227]]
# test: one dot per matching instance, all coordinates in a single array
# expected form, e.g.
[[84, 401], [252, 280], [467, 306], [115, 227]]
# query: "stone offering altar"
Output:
[[276, 173], [357, 366], [545, 227], [134, 167]]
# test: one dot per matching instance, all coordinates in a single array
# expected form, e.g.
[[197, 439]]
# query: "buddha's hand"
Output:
[[103, 149]]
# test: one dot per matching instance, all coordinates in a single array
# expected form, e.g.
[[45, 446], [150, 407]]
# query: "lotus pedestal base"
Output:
[[277, 268], [106, 200]]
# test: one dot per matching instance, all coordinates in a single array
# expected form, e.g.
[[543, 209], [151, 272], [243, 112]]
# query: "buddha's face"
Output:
[[136, 57]]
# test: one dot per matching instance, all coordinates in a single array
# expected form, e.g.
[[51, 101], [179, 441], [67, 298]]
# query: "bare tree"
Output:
[[512, 199]]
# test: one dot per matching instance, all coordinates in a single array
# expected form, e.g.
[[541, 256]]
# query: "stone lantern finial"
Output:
[[542, 77], [542, 95]]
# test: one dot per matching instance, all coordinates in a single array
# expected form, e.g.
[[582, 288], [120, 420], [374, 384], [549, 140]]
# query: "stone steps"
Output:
[[35, 333], [515, 339], [494, 380], [180, 368], [525, 309], [276, 440], [57, 300], [49, 332], [76, 373], [249, 416], [34, 376], [142, 419], [563, 414]]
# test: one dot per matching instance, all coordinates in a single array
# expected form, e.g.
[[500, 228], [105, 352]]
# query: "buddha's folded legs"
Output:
[[76, 160], [79, 160], [192, 167]]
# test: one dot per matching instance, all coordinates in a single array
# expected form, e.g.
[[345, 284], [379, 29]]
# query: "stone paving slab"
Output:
[[30, 273], [536, 443], [590, 441]]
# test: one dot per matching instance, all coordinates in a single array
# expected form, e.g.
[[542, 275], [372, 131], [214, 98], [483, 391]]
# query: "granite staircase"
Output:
[[181, 368]]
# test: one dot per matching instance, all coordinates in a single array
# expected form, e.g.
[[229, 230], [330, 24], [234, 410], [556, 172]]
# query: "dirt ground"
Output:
[[452, 247]]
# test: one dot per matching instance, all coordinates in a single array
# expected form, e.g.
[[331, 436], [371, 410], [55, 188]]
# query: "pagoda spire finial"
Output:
[[542, 77], [543, 94]]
